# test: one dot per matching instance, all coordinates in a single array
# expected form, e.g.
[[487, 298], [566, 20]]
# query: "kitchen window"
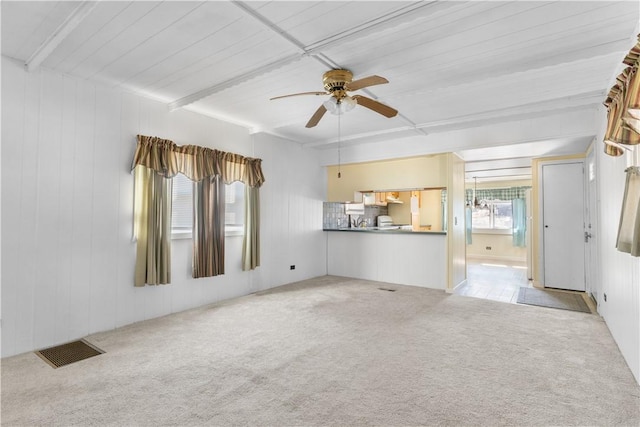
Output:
[[182, 208], [495, 216]]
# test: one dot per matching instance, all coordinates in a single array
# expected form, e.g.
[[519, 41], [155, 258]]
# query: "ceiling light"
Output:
[[340, 106], [347, 104], [331, 105], [475, 189]]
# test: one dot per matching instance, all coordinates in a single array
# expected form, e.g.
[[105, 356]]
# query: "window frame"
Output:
[[493, 229]]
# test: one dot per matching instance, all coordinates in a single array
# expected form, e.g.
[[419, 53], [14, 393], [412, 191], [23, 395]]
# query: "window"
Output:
[[496, 215], [182, 206], [182, 209], [234, 208]]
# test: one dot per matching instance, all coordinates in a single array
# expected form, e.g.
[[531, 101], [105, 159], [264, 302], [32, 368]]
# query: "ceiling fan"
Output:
[[337, 83]]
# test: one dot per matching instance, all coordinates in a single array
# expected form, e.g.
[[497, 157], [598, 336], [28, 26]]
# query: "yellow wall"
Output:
[[501, 247], [415, 172], [535, 191], [401, 212], [456, 239], [431, 209]]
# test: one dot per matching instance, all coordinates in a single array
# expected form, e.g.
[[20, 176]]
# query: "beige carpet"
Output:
[[335, 351]]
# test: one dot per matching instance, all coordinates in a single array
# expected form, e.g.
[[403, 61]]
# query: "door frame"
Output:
[[592, 254], [540, 212]]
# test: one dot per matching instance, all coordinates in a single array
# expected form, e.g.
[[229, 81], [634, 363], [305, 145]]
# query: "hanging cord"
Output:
[[339, 114]]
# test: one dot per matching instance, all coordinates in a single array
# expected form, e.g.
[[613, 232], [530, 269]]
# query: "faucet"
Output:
[[359, 222]]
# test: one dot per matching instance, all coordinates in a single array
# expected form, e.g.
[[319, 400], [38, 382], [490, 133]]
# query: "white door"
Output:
[[591, 228], [563, 225]]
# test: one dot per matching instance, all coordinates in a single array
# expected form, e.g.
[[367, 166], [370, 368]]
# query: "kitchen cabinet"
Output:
[[369, 199]]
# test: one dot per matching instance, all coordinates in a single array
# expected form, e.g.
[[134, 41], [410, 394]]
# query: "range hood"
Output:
[[354, 208]]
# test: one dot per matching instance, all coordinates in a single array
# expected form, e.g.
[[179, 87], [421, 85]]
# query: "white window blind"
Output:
[[234, 207], [182, 209]]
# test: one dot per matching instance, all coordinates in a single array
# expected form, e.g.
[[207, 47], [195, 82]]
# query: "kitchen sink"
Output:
[[390, 227]]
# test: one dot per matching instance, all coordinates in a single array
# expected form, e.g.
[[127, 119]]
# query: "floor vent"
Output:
[[66, 354], [387, 289]]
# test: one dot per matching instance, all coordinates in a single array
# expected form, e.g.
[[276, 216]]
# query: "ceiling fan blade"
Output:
[[376, 106], [299, 94], [316, 116], [365, 82]]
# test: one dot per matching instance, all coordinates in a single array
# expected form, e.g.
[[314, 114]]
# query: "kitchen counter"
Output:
[[385, 230]]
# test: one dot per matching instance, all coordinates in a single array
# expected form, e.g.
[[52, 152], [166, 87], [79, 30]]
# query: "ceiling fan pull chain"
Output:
[[339, 162]]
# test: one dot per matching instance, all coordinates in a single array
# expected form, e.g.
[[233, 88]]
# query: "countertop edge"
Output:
[[361, 230]]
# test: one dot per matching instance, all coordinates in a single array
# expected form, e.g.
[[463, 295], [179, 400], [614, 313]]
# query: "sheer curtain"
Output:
[[251, 243], [468, 223], [210, 169], [629, 228], [152, 227], [519, 224]]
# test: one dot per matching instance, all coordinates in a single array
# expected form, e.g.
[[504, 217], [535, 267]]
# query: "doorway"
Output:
[[497, 258], [495, 280]]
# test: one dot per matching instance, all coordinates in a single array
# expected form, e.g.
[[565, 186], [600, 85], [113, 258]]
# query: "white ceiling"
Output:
[[452, 66]]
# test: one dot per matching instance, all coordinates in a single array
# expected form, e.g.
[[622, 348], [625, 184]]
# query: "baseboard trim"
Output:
[[496, 258], [458, 286]]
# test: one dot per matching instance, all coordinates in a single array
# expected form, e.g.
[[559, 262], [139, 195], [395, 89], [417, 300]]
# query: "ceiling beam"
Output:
[[53, 41], [540, 109], [314, 51], [190, 99]]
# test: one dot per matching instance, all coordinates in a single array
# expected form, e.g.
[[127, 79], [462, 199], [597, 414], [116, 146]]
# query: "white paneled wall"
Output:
[[67, 210], [292, 220], [416, 259], [620, 271]]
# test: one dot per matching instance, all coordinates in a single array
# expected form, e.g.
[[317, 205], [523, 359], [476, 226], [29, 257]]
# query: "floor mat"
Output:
[[553, 299]]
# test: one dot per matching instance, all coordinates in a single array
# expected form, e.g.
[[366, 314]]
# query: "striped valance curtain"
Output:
[[210, 169], [504, 194], [623, 106], [195, 162]]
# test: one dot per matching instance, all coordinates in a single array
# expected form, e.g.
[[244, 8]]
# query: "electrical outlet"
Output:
[[293, 267], [488, 248]]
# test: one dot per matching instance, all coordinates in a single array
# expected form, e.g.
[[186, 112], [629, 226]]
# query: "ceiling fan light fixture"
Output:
[[331, 105], [340, 106], [347, 104], [476, 204]]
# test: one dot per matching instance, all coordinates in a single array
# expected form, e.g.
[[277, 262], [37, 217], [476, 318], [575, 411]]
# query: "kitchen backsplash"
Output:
[[333, 215]]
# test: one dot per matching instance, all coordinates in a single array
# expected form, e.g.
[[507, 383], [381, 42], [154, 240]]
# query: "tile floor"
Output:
[[494, 280]]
